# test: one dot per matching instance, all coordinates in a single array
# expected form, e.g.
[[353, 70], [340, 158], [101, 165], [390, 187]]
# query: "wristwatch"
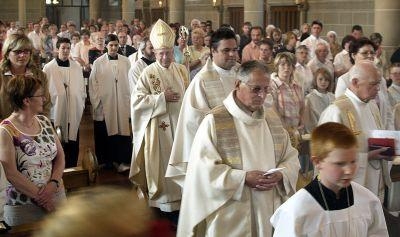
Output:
[[55, 181]]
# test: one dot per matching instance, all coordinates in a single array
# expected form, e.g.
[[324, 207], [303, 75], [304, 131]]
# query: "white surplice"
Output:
[[67, 95], [154, 122], [315, 103], [302, 215], [303, 76], [394, 94], [195, 106], [385, 108], [216, 194], [109, 93], [366, 175], [135, 71]]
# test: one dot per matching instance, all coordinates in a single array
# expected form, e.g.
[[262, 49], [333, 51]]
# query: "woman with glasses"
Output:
[[30, 153], [17, 60], [360, 50]]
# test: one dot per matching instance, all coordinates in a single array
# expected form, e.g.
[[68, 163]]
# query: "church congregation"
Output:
[[220, 131]]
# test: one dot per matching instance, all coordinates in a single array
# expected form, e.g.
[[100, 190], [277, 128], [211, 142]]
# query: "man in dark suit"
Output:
[[124, 49]]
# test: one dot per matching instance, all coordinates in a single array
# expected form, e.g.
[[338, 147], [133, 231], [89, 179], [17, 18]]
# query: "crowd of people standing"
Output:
[[198, 116]]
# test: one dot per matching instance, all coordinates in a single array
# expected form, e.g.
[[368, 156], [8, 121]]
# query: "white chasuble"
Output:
[[154, 122], [195, 106], [216, 201], [109, 93], [67, 95], [302, 215]]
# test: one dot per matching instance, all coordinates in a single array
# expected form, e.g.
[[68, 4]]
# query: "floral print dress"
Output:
[[34, 155]]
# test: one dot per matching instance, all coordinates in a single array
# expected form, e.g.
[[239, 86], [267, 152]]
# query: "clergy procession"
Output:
[[220, 133]]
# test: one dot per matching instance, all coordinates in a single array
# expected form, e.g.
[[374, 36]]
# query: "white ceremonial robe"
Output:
[[67, 94], [195, 106], [134, 73], [154, 123], [302, 215], [366, 175], [385, 109], [394, 94], [215, 193], [315, 103], [109, 93], [303, 76]]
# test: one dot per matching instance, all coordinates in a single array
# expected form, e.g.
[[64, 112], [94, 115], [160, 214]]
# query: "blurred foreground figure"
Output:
[[103, 212]]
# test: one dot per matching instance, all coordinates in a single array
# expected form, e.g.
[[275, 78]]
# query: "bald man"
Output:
[[357, 110]]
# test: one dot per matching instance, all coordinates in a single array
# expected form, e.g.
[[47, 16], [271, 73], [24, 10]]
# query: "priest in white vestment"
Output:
[[156, 102], [357, 110], [359, 50], [110, 97], [227, 191], [207, 90], [67, 95]]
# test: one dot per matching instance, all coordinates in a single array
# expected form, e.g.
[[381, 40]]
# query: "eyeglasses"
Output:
[[366, 53], [20, 51], [257, 89], [42, 96]]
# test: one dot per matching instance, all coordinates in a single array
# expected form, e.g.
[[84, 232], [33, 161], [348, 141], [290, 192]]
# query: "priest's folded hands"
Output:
[[171, 96], [259, 181]]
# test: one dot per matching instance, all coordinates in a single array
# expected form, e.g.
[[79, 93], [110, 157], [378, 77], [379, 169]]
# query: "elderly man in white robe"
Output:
[[364, 49], [156, 102], [110, 97], [67, 95], [207, 90], [228, 190], [358, 111]]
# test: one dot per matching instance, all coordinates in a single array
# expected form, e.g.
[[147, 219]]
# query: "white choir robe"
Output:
[[366, 175], [394, 94], [67, 104], [315, 103], [109, 93], [302, 215], [154, 123], [385, 108], [217, 194], [194, 107], [134, 73], [303, 76]]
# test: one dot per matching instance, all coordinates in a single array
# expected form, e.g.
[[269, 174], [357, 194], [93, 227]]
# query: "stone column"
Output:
[[22, 12], [387, 14], [146, 12], [94, 9], [254, 12], [128, 10], [176, 11]]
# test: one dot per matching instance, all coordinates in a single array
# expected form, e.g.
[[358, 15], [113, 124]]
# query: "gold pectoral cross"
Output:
[[163, 125]]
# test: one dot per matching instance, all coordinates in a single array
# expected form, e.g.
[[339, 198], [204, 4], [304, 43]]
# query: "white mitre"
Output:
[[162, 36]]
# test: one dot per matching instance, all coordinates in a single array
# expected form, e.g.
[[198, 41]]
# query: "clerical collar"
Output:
[[147, 61], [330, 196], [62, 63], [112, 58], [223, 72]]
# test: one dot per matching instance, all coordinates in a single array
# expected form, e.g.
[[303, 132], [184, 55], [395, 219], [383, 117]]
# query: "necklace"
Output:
[[327, 207]]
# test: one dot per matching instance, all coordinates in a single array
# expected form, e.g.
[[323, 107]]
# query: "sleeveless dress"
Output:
[[34, 155]]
